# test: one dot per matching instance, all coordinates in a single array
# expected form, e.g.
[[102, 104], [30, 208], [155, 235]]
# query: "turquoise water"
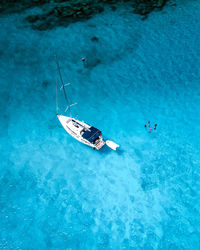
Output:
[[57, 193]]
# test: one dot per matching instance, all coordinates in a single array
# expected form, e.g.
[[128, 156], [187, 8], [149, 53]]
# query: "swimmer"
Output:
[[150, 129], [145, 125], [149, 123]]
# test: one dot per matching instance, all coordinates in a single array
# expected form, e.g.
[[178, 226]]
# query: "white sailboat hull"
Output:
[[74, 127]]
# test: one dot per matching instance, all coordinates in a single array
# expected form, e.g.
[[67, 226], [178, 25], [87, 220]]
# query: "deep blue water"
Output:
[[56, 193]]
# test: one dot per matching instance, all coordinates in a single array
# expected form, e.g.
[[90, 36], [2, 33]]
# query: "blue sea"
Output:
[[56, 193]]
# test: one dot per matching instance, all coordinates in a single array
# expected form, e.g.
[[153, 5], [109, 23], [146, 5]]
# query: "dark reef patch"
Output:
[[144, 7], [95, 39], [62, 12], [45, 83]]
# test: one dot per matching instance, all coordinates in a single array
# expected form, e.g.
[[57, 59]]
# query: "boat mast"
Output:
[[63, 86]]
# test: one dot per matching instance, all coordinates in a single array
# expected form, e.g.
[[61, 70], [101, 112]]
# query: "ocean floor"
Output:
[[56, 193]]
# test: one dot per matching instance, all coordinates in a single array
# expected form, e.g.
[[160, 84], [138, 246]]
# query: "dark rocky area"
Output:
[[62, 12], [144, 7]]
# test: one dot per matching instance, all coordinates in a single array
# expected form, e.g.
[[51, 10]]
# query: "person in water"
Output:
[[145, 125], [150, 128]]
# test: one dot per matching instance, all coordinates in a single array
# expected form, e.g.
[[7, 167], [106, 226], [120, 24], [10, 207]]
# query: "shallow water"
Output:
[[57, 193]]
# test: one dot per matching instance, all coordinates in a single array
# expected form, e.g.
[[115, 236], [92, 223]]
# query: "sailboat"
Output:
[[80, 130]]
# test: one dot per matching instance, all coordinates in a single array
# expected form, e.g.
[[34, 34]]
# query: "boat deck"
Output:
[[75, 127]]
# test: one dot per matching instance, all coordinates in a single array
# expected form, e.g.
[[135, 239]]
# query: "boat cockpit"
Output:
[[92, 135]]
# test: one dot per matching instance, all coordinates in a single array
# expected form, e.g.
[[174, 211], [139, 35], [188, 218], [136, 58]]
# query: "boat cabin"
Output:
[[92, 134]]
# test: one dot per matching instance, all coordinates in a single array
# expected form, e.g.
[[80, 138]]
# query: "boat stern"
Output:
[[100, 144]]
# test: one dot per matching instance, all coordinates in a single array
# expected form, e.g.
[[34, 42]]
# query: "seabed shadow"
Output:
[[106, 150]]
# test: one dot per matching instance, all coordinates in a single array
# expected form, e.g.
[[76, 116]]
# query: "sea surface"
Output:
[[56, 193]]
